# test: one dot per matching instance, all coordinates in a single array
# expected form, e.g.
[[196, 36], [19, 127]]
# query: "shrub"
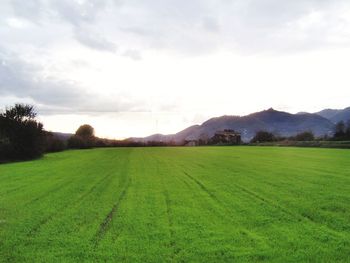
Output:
[[305, 136], [53, 144], [263, 136]]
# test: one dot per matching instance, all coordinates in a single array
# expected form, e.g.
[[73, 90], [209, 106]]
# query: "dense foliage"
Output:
[[83, 138], [21, 135], [303, 136], [263, 136], [342, 131], [53, 144]]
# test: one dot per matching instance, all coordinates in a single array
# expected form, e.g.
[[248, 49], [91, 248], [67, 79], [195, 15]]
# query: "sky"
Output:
[[135, 68]]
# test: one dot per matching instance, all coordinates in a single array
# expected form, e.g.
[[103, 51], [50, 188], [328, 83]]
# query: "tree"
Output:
[[263, 136], [347, 131], [53, 144], [83, 139], [22, 137], [340, 129], [85, 131], [20, 112], [305, 136]]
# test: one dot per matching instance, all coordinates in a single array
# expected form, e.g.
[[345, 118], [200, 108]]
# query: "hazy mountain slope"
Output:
[[336, 115], [180, 136], [281, 123], [62, 136], [344, 115], [328, 113]]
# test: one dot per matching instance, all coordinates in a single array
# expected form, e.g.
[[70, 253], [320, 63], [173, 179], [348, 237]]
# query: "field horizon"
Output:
[[177, 204]]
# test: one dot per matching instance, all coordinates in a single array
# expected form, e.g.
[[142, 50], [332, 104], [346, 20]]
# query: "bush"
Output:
[[263, 136], [83, 139], [53, 144], [305, 136]]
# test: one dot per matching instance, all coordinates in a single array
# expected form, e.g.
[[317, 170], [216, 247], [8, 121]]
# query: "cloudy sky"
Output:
[[133, 68]]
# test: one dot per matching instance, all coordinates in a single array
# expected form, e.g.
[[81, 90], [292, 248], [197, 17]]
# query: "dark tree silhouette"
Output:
[[22, 137], [84, 138], [305, 136], [53, 144], [340, 130], [85, 131], [263, 136], [20, 113], [347, 130]]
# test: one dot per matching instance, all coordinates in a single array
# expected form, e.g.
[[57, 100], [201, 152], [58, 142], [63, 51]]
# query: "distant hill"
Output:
[[178, 137], [335, 115], [62, 136], [278, 122]]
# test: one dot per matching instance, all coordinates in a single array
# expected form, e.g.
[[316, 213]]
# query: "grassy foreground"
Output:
[[205, 204]]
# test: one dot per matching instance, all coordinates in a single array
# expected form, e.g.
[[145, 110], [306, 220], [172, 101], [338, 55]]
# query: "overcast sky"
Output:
[[133, 68]]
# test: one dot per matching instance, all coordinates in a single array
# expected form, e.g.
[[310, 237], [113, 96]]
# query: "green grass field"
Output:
[[200, 204]]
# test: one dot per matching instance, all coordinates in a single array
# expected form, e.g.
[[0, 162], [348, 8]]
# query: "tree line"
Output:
[[22, 136], [341, 132]]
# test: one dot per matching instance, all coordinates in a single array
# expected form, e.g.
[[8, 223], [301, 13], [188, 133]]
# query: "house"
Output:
[[226, 137]]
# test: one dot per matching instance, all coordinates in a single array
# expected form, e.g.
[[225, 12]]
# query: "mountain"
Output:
[[178, 137], [335, 115], [278, 122]]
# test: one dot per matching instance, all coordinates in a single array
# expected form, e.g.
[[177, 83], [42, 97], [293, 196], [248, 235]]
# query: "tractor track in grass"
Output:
[[169, 215], [105, 178], [52, 190], [5, 193], [172, 243], [224, 208], [58, 187], [264, 200], [81, 198], [296, 216], [170, 221], [203, 187], [104, 226]]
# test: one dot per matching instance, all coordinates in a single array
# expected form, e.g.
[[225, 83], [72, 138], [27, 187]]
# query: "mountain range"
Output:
[[279, 122], [335, 115]]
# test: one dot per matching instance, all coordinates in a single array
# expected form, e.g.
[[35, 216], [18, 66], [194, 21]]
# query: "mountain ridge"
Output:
[[278, 122], [335, 115]]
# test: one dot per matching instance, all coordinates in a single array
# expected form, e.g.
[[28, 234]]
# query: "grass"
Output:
[[200, 204], [322, 144]]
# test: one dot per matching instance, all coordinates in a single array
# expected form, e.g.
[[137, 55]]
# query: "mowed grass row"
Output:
[[216, 204]]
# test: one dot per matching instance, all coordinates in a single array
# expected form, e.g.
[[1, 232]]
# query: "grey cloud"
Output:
[[21, 79], [77, 12], [29, 9], [211, 24], [94, 40], [25, 81], [82, 15], [196, 26]]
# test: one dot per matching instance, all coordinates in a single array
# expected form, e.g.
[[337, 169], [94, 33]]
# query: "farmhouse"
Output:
[[226, 137]]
